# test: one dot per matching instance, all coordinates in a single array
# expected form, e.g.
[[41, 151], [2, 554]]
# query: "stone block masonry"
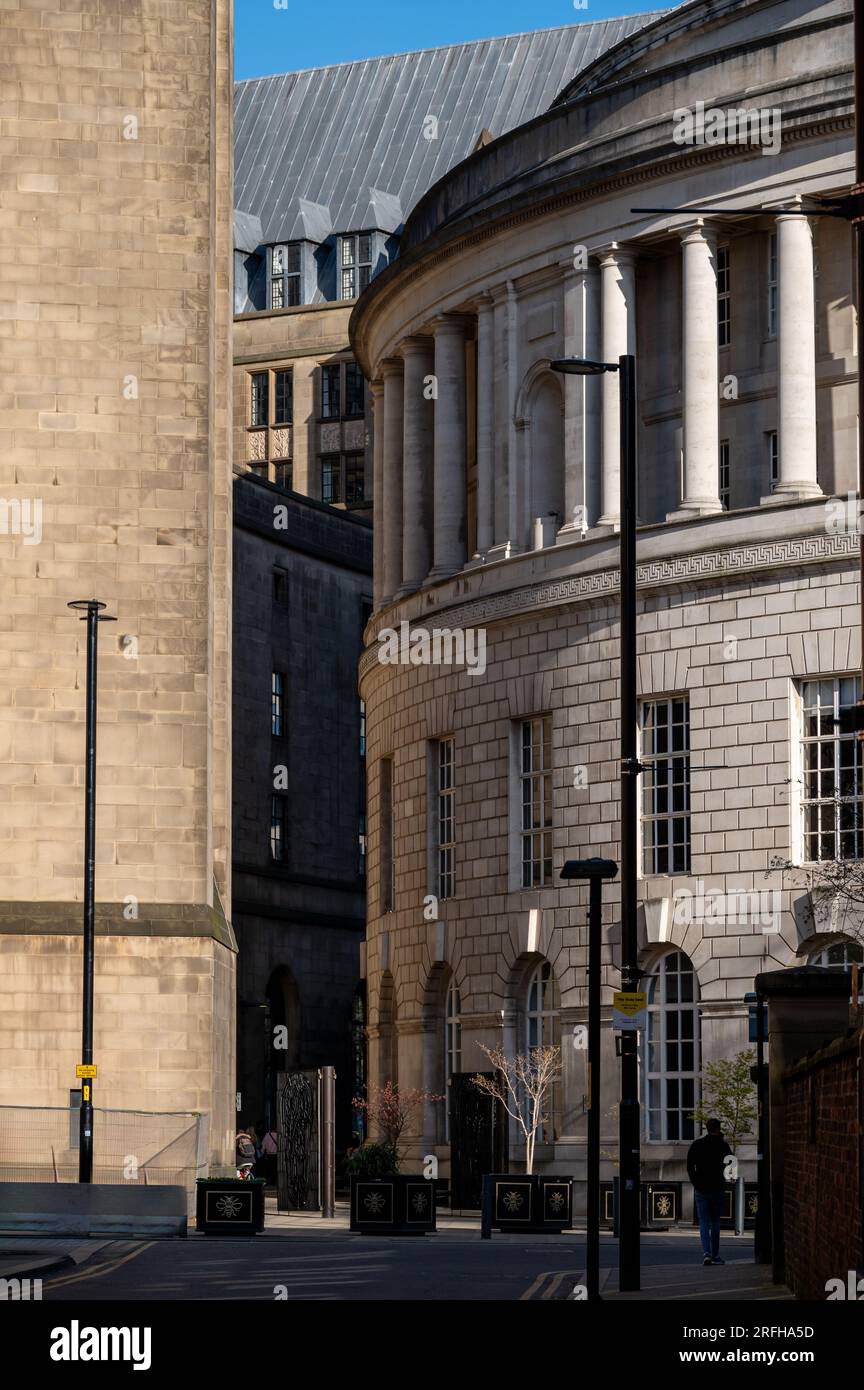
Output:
[[115, 357]]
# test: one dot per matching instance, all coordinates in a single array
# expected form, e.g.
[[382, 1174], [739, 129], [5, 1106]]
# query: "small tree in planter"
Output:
[[389, 1111], [523, 1085], [728, 1095]]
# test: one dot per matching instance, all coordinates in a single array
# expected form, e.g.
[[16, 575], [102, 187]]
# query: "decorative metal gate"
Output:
[[476, 1140], [297, 1170]]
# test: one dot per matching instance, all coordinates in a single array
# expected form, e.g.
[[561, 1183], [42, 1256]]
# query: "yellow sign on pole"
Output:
[[86, 1069], [629, 1010]]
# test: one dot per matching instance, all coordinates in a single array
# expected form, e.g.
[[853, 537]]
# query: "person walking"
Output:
[[269, 1150], [705, 1165]]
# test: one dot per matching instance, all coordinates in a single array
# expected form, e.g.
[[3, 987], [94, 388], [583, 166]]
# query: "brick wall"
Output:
[[822, 1207]]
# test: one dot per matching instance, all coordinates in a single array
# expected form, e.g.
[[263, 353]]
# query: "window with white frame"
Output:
[[724, 298], [453, 1031], [285, 272], [666, 786], [355, 264], [277, 704], [773, 450], [259, 399], [831, 804], [724, 480], [839, 955], [535, 751], [543, 1029], [772, 285], [671, 1050], [445, 820]]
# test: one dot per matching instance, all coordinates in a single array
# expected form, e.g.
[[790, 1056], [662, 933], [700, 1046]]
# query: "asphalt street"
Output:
[[337, 1265]]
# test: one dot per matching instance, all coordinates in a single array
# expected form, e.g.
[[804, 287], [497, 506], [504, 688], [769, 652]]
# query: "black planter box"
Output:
[[402, 1204], [659, 1204], [529, 1202], [229, 1206]]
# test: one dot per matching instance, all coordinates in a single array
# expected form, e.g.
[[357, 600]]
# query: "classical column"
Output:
[[618, 333], [796, 359], [391, 371], [451, 499], [581, 402], [701, 409], [485, 424], [417, 497], [376, 395]]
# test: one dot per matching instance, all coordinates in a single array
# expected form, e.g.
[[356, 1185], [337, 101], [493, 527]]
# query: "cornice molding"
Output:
[[758, 558]]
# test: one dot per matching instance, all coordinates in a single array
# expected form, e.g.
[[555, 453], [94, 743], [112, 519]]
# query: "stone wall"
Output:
[[115, 322]]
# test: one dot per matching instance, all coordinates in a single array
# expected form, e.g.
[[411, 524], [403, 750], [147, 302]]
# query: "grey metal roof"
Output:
[[350, 138]]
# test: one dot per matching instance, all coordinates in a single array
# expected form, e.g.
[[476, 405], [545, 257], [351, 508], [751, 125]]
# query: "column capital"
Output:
[[417, 343], [451, 323], [391, 366], [615, 253], [376, 387], [699, 229], [485, 302]]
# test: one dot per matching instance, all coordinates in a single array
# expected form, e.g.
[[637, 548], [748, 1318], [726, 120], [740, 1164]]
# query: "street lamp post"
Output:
[[90, 610], [594, 870], [629, 1157]]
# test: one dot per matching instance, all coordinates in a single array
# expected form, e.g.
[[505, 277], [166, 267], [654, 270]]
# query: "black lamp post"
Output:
[[91, 614], [628, 1135], [594, 870]]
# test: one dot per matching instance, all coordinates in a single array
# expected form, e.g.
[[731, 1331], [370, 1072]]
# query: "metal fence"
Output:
[[40, 1144]]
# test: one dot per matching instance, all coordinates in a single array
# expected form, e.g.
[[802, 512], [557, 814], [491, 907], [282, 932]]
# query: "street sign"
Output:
[[86, 1069], [629, 1011]]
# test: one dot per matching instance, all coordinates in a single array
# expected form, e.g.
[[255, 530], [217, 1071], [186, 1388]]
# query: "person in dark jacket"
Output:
[[705, 1164]]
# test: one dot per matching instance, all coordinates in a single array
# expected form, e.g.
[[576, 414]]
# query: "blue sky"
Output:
[[280, 35]]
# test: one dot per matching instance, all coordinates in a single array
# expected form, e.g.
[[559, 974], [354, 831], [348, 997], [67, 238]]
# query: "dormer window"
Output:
[[285, 276], [355, 264]]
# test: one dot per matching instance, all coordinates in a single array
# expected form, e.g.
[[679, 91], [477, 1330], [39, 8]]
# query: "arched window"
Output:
[[543, 1029], [671, 1056], [358, 1060], [838, 956]]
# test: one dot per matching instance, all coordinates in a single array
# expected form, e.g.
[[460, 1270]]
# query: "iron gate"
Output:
[[476, 1140], [297, 1163]]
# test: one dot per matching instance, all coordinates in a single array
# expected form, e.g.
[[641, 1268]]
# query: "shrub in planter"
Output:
[[373, 1161]]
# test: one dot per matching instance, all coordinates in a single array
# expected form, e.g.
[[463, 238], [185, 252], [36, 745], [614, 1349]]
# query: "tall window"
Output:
[[445, 819], [285, 287], [277, 704], [672, 1049], [666, 786], [331, 478], [724, 479], [833, 812], [330, 394], [278, 818], [536, 788], [260, 399], [387, 886], [343, 478], [280, 587], [355, 256], [773, 459], [772, 285], [283, 405], [353, 390], [453, 1057], [724, 298], [543, 1029]]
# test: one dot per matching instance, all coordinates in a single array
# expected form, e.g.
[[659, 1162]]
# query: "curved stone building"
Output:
[[493, 755]]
